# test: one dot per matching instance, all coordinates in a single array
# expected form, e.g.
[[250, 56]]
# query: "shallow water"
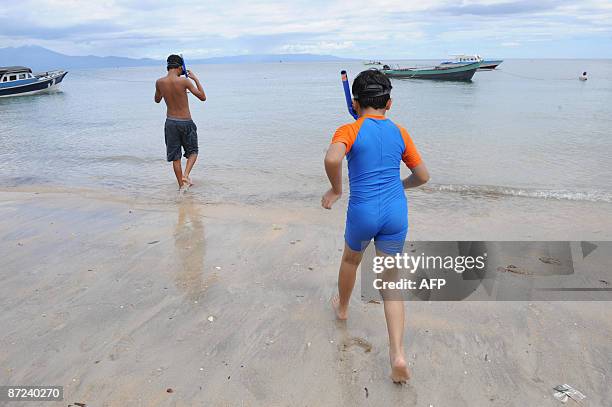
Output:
[[530, 129]]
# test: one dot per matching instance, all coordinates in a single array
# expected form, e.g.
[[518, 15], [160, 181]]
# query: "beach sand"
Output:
[[131, 303]]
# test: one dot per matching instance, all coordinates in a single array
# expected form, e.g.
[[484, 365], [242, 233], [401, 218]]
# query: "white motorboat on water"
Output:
[[19, 80], [486, 64], [372, 63]]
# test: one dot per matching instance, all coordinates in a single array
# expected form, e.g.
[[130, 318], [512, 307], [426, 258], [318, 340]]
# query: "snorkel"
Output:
[[347, 95], [184, 67]]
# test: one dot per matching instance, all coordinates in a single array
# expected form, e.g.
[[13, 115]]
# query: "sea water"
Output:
[[528, 130]]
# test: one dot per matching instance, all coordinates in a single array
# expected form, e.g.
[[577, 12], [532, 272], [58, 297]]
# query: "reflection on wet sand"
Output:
[[190, 247]]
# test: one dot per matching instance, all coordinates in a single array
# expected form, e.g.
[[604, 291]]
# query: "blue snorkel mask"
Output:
[[347, 95], [184, 67], [372, 90]]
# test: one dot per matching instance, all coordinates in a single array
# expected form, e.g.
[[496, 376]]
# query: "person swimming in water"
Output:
[[374, 147], [180, 130], [583, 77]]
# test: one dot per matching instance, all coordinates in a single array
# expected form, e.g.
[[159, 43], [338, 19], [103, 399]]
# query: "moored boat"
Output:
[[487, 64], [463, 72], [19, 80], [370, 63]]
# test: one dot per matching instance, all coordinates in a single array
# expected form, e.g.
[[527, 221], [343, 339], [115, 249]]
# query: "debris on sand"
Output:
[[604, 282], [511, 268], [211, 318], [564, 392], [153, 242], [367, 392], [373, 302], [169, 390], [550, 260]]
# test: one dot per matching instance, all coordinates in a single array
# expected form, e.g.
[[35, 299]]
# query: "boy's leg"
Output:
[[173, 148], [190, 144], [190, 162], [178, 171], [346, 281], [394, 316]]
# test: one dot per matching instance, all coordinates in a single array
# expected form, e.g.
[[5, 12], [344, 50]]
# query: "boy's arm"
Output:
[[197, 90], [333, 168], [419, 176], [158, 96], [413, 161]]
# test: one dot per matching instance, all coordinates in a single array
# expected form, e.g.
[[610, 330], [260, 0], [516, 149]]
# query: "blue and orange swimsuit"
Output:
[[377, 207]]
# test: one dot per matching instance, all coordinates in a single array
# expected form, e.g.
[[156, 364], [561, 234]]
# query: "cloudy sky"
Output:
[[364, 29]]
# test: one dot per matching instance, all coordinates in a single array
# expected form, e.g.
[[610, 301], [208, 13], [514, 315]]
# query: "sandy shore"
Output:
[[119, 300]]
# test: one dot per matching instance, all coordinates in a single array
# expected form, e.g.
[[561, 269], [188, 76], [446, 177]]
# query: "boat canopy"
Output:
[[14, 69]]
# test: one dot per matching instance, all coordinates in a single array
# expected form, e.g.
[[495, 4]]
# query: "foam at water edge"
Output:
[[492, 190]]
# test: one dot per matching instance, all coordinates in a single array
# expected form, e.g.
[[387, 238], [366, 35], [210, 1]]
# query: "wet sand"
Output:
[[119, 300]]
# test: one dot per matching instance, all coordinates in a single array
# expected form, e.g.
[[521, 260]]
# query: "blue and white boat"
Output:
[[485, 64], [19, 80]]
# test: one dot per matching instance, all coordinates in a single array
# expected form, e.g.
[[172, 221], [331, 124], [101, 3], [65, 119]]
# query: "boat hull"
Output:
[[42, 85], [442, 73], [489, 65]]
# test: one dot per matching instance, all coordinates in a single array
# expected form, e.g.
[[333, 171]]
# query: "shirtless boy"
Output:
[[180, 130], [374, 147]]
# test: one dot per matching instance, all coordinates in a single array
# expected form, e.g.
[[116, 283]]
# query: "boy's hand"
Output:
[[329, 198], [191, 74]]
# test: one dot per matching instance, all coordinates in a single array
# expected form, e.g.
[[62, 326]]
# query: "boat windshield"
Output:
[[15, 76]]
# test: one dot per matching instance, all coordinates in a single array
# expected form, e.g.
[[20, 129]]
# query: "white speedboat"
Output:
[[19, 80], [486, 64]]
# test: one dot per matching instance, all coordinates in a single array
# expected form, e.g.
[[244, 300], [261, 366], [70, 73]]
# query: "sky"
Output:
[[381, 29]]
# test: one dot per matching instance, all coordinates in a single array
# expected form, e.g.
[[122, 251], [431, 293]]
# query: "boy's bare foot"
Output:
[[340, 313], [187, 181], [399, 369]]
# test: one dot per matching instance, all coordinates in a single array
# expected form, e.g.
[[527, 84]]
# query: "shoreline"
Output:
[[433, 215], [119, 299]]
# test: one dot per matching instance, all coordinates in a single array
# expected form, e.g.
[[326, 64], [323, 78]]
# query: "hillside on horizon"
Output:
[[40, 58]]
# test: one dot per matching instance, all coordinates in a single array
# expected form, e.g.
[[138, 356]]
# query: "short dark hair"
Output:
[[174, 61], [372, 88]]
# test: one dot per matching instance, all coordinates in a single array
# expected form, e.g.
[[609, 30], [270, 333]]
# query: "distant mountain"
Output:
[[241, 59], [39, 58]]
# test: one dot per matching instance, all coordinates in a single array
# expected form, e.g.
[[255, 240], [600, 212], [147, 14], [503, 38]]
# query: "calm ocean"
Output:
[[529, 130]]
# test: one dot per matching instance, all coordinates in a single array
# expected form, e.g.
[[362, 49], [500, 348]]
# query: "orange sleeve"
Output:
[[411, 156], [346, 135]]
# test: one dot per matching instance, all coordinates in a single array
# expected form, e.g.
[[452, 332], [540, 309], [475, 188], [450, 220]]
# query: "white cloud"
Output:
[[358, 28]]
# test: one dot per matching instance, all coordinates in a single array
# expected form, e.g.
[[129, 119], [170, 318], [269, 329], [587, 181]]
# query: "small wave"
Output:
[[129, 159], [501, 191], [24, 181]]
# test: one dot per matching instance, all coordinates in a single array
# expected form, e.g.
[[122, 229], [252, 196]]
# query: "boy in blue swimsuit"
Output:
[[374, 147]]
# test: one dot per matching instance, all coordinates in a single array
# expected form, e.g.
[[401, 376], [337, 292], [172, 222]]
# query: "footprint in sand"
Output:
[[360, 342]]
